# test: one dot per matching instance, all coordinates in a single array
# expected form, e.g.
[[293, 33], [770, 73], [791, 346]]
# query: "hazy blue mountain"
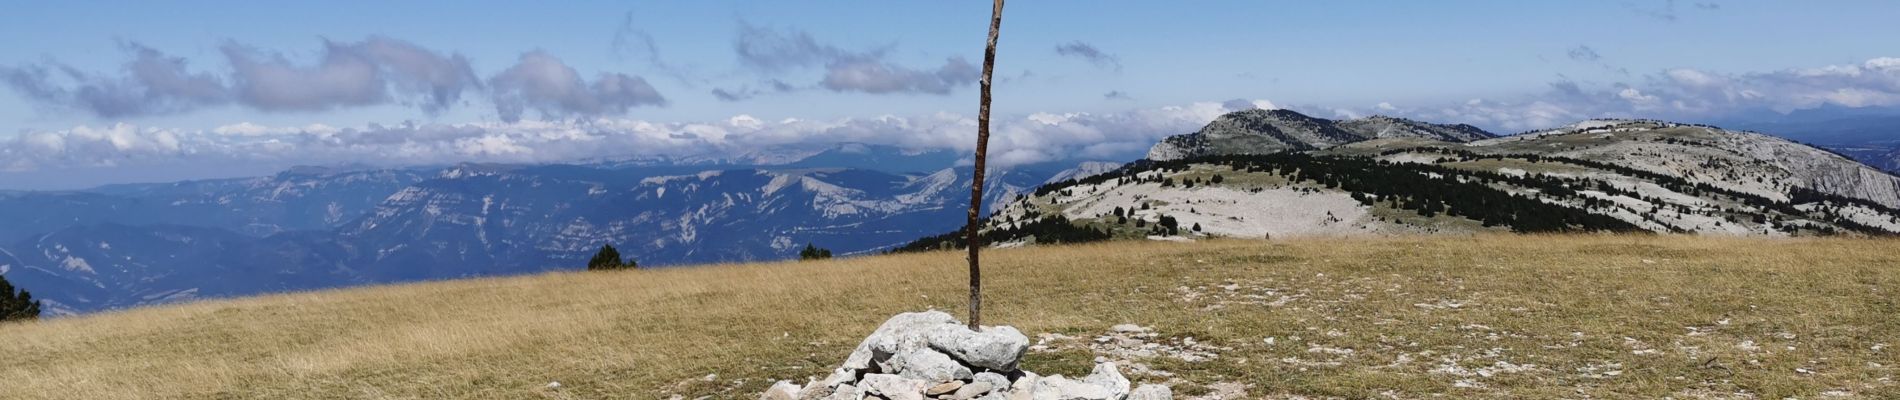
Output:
[[880, 158], [128, 245], [1826, 125], [112, 265]]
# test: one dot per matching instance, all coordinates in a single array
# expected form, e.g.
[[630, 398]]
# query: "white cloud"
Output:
[[374, 71], [546, 84], [772, 51]]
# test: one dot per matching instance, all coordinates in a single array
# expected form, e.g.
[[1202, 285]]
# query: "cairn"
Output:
[[931, 355]]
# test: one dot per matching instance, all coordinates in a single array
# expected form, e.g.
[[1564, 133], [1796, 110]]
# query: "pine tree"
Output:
[[1169, 226], [813, 253], [609, 258], [16, 305]]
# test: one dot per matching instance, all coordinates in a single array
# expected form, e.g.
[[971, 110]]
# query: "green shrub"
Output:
[[608, 259], [16, 305]]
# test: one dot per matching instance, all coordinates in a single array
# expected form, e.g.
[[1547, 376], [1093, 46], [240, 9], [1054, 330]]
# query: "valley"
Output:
[[140, 244]]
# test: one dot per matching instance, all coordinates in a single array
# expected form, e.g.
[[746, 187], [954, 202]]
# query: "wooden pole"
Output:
[[976, 186]]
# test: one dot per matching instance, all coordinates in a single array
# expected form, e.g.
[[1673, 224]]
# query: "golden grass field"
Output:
[[1417, 317]]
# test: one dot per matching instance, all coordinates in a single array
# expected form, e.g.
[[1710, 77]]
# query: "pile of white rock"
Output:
[[930, 355]]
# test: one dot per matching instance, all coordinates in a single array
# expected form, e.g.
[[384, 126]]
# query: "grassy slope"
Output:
[[1574, 308]]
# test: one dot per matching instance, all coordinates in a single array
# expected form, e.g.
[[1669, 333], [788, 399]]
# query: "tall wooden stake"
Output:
[[976, 185]]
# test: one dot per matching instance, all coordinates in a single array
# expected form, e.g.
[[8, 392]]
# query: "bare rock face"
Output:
[[1260, 131], [930, 355]]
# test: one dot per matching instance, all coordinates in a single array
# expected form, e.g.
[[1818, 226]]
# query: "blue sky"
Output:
[[1101, 78]]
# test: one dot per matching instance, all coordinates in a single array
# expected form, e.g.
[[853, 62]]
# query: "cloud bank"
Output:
[[774, 52], [544, 83], [375, 71], [1676, 94], [1022, 139]]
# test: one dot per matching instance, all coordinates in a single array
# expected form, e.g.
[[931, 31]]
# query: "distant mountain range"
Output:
[[1254, 173], [1278, 173], [128, 245]]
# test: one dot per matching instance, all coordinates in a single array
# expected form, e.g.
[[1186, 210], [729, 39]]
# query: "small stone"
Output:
[[893, 387], [1023, 386], [927, 365], [1107, 376], [1128, 328], [995, 380], [845, 392], [973, 390], [783, 390], [839, 377], [554, 385], [943, 388], [1152, 392], [818, 390], [1056, 387]]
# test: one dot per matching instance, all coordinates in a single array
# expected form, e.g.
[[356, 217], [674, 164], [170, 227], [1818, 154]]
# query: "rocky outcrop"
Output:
[[930, 355], [1253, 131], [1260, 131], [1381, 127]]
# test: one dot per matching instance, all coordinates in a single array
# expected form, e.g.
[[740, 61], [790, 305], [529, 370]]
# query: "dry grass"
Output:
[[1486, 316]]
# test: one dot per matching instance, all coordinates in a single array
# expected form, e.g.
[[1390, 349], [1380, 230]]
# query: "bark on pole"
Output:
[[976, 186]]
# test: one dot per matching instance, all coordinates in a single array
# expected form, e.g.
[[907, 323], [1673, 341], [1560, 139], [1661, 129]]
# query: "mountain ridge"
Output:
[[327, 227], [1597, 175], [1263, 131]]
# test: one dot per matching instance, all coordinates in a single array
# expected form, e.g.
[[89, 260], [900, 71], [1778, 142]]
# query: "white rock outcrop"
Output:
[[930, 355]]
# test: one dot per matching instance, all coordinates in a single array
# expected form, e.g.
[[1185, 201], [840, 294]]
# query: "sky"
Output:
[[108, 92]]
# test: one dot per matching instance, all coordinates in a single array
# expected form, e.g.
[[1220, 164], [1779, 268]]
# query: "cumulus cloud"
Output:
[[771, 52], [1020, 139], [1090, 53], [375, 71], [877, 77], [150, 83], [542, 82], [775, 50]]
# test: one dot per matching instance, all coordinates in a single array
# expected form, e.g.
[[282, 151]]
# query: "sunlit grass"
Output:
[[1484, 316]]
